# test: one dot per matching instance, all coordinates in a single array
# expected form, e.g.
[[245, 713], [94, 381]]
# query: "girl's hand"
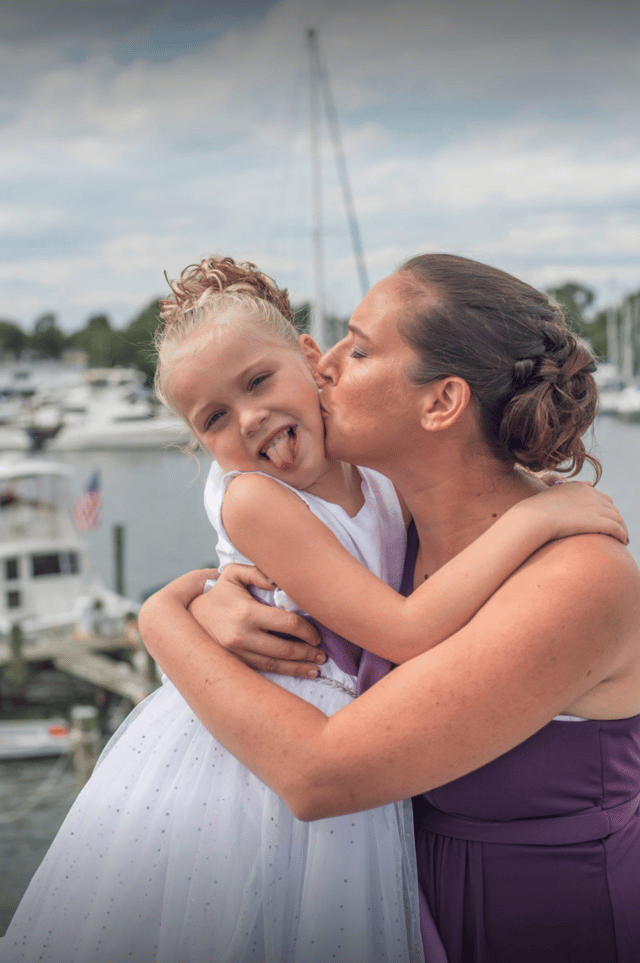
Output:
[[577, 508], [265, 638]]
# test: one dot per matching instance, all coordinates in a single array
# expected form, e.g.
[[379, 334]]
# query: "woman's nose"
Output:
[[325, 369]]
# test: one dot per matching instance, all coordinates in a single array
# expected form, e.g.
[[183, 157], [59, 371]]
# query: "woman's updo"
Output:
[[530, 377], [217, 294]]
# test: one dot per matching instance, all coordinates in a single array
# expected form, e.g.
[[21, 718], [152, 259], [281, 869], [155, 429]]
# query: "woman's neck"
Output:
[[457, 504]]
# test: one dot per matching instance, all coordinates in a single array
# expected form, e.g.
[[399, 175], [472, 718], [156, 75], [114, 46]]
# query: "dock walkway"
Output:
[[87, 658]]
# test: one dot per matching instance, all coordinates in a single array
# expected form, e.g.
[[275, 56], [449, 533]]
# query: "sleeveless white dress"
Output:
[[174, 852]]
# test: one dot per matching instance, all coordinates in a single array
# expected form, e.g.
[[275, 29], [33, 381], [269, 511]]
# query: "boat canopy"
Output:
[[25, 468], [35, 503]]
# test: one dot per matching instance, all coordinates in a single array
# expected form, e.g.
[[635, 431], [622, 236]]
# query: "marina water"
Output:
[[157, 497]]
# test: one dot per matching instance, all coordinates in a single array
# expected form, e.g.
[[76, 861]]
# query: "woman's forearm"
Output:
[[552, 633]]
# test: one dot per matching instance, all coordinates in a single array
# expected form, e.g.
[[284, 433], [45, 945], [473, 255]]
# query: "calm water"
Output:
[[157, 496]]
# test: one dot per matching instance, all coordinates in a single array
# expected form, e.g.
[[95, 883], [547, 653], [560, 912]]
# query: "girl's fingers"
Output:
[[305, 668], [247, 575], [270, 653], [299, 670], [285, 635], [613, 524]]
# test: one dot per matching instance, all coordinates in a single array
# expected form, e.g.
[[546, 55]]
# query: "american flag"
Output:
[[86, 511]]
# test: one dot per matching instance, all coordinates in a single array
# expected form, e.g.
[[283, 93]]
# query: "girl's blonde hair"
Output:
[[215, 295]]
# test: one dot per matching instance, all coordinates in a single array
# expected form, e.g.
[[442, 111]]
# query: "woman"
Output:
[[519, 734]]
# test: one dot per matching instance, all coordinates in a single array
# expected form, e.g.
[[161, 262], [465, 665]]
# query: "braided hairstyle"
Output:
[[531, 378], [216, 295]]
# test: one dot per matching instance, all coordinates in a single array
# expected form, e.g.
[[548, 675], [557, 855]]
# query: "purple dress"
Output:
[[535, 857]]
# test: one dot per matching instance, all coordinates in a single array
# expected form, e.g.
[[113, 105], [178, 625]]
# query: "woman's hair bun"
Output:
[[530, 376], [554, 403], [523, 371]]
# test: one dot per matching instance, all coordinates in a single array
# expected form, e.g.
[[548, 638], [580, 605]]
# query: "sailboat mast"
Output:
[[343, 174], [613, 341], [320, 88], [317, 330], [627, 343]]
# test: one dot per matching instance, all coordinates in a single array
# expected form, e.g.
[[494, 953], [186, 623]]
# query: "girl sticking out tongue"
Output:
[[174, 850]]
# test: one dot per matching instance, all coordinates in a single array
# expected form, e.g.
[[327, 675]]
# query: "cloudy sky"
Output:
[[140, 135]]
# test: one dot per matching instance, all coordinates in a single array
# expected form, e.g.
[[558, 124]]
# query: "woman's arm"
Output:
[[273, 527], [561, 633]]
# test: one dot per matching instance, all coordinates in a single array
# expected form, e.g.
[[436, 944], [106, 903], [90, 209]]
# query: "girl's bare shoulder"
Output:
[[248, 494]]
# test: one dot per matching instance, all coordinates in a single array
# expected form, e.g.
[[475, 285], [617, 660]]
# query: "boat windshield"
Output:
[[34, 507]]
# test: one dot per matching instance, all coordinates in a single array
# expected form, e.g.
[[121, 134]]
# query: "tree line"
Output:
[[131, 346], [103, 345]]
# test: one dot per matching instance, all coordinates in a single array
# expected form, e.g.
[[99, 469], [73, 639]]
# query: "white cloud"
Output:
[[613, 236], [543, 164], [507, 130]]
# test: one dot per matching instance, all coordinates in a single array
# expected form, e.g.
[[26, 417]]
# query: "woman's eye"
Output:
[[357, 353]]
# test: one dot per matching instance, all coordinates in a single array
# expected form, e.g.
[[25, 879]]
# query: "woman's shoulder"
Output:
[[583, 586], [592, 576], [590, 559], [594, 582]]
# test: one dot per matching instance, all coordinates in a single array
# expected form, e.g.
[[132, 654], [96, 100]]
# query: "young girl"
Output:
[[174, 851]]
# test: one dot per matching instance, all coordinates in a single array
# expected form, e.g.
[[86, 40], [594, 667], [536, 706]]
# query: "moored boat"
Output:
[[24, 738], [46, 580], [55, 613]]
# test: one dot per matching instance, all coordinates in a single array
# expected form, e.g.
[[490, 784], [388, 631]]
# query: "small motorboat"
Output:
[[21, 738]]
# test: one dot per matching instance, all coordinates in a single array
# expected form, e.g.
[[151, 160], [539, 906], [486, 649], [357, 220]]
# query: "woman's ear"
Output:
[[312, 355], [445, 401]]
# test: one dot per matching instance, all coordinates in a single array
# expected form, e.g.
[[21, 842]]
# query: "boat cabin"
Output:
[[42, 559]]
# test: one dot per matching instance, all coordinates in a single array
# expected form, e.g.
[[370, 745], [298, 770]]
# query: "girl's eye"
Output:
[[211, 420], [258, 380], [357, 353]]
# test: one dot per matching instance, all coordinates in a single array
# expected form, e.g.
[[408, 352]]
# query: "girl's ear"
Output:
[[312, 355], [444, 402]]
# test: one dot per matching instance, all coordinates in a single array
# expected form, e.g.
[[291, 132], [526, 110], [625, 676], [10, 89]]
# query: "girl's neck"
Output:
[[340, 484]]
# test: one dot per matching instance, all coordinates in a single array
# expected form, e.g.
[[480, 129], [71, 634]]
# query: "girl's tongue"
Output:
[[281, 450]]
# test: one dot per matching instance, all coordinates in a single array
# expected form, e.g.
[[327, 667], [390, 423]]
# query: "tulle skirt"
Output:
[[175, 853]]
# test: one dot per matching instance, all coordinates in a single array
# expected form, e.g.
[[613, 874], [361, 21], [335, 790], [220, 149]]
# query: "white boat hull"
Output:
[[20, 739]]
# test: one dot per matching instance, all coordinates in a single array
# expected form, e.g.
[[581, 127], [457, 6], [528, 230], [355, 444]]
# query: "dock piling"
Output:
[[85, 741], [118, 559]]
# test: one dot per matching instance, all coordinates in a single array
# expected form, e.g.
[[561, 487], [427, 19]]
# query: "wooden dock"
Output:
[[87, 658]]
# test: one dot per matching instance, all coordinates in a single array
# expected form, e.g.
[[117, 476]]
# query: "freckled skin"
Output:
[[368, 397]]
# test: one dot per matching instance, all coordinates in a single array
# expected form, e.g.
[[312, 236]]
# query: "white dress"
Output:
[[174, 852]]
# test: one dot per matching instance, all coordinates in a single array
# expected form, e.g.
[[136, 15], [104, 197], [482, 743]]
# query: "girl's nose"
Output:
[[251, 418]]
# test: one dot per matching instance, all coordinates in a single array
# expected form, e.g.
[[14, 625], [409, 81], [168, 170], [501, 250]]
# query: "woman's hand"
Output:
[[577, 508], [265, 638], [187, 587]]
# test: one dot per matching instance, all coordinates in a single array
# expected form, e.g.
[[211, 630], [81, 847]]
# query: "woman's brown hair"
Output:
[[531, 378]]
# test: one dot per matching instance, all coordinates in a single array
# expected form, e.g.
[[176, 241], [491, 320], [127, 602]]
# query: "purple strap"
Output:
[[547, 831]]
